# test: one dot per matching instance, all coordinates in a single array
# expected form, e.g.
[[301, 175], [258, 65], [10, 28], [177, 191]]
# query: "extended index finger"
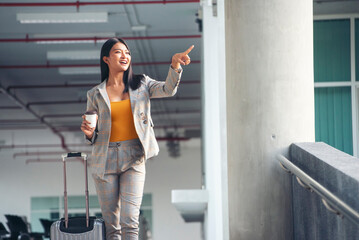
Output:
[[189, 49]]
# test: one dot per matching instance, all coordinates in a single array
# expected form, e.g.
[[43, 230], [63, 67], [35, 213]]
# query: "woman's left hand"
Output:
[[181, 58]]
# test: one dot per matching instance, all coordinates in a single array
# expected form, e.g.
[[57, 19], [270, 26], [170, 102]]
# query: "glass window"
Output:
[[44, 208], [51, 208]]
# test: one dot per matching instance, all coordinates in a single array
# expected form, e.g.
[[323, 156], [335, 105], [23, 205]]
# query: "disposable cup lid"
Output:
[[90, 112]]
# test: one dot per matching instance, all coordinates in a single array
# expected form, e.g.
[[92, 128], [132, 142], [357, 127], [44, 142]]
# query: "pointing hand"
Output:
[[181, 58]]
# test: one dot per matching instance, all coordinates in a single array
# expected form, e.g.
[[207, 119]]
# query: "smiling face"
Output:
[[119, 58]]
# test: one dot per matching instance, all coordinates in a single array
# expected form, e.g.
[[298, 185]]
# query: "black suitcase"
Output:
[[77, 228]]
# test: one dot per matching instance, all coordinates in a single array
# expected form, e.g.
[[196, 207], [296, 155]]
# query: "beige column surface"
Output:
[[270, 104]]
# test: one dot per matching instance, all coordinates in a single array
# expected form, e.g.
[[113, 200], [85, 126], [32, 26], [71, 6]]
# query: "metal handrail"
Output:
[[330, 201]]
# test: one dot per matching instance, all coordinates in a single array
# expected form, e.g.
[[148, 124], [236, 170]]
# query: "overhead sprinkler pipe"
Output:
[[94, 39], [10, 107], [13, 146], [38, 160], [23, 154], [80, 65], [194, 126], [84, 101], [66, 85], [78, 115], [26, 107], [77, 4], [153, 113]]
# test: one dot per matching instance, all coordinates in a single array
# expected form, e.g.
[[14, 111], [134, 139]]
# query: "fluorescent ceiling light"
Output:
[[69, 41], [79, 70], [73, 55], [75, 35], [66, 37], [96, 17], [139, 28]]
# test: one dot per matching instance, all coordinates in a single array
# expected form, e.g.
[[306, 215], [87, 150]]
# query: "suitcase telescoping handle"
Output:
[[64, 157]]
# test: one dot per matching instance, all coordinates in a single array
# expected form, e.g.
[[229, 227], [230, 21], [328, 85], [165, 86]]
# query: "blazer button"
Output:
[[145, 122], [143, 118], [141, 114]]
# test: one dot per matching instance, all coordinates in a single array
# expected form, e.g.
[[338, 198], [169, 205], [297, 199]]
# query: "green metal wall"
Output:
[[332, 50], [333, 115], [333, 121], [357, 49]]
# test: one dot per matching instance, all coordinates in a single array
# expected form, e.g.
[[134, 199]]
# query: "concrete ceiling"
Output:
[[326, 7], [36, 95]]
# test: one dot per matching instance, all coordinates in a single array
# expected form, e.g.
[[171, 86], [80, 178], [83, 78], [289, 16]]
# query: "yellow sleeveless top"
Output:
[[122, 125]]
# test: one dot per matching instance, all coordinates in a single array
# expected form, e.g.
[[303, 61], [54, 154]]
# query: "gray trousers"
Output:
[[120, 191]]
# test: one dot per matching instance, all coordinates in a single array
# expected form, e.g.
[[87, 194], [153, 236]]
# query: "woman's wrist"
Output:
[[89, 137], [176, 68]]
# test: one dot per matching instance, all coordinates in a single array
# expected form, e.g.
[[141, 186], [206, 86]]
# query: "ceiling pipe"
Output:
[[13, 146], [23, 154], [153, 113], [38, 160], [84, 101], [81, 65], [10, 107], [7, 128], [77, 128], [77, 115], [95, 39], [56, 102], [66, 85], [5, 121], [77, 4], [24, 106]]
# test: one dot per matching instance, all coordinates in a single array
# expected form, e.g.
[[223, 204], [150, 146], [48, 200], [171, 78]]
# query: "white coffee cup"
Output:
[[91, 117]]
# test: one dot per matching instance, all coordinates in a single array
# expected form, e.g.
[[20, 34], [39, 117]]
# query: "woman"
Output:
[[124, 138]]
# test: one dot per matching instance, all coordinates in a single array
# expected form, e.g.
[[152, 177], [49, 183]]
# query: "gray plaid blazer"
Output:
[[98, 100]]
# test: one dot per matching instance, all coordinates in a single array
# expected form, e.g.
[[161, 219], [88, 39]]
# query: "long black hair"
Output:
[[129, 78]]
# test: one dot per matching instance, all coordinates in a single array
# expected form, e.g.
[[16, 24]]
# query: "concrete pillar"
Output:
[[214, 122], [270, 104]]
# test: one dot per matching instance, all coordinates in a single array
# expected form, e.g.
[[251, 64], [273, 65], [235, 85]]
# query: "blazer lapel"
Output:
[[133, 99], [103, 92]]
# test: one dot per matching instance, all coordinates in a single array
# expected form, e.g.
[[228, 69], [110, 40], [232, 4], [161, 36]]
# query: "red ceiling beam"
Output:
[[78, 115], [9, 88], [95, 39], [21, 128], [22, 154], [81, 65], [10, 107], [38, 160], [84, 101], [153, 113], [77, 128], [20, 103], [55, 102], [75, 85], [11, 146], [7, 121], [78, 3]]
